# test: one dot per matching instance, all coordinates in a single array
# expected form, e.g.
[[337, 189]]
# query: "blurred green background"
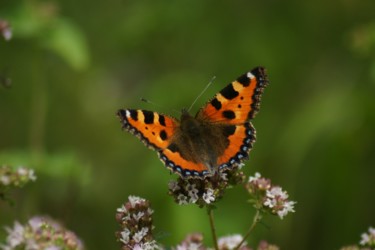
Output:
[[73, 64]]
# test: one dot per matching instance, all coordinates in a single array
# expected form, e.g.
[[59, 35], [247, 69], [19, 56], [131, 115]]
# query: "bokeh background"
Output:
[[73, 64]]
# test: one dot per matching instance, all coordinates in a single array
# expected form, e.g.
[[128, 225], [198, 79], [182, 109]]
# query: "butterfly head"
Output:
[[188, 123], [185, 115]]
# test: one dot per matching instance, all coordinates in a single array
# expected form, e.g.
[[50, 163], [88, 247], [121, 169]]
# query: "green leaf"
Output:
[[67, 41], [42, 23], [64, 165]]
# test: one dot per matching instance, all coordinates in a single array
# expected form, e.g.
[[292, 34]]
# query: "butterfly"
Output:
[[220, 136]]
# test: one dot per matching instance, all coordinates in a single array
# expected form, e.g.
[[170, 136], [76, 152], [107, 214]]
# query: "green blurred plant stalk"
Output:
[[38, 111]]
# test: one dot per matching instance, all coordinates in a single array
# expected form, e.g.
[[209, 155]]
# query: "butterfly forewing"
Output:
[[155, 130], [238, 101]]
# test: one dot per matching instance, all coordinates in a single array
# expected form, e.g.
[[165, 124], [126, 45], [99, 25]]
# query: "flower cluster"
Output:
[[192, 241], [40, 233], [5, 30], [14, 178], [264, 245], [204, 191], [368, 239], [354, 247], [231, 242], [269, 198], [135, 221], [195, 241]]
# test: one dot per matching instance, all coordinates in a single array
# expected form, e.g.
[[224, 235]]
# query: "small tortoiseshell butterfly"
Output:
[[220, 136]]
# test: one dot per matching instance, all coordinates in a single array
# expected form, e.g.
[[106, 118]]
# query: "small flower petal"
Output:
[[193, 197], [257, 176], [134, 200], [173, 186], [125, 236], [121, 209], [208, 196], [182, 199], [230, 242]]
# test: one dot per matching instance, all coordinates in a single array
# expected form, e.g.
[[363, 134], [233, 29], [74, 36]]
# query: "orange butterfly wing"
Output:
[[157, 132], [233, 106], [153, 129], [239, 101], [236, 104], [185, 168]]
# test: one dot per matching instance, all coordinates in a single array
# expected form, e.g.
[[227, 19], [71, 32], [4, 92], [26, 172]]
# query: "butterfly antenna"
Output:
[[196, 99], [157, 105]]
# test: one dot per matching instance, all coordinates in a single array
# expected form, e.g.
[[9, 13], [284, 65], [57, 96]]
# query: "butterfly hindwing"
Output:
[[153, 129], [178, 164], [237, 102], [240, 142]]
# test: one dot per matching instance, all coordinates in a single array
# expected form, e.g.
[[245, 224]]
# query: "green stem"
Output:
[[212, 225], [256, 219], [38, 106]]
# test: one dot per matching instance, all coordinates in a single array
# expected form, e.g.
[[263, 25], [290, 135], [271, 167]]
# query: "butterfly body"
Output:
[[200, 141], [219, 136]]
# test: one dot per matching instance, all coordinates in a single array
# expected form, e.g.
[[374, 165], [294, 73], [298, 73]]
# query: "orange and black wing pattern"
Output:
[[186, 168], [240, 142], [153, 129], [239, 101], [157, 132], [236, 105], [227, 116]]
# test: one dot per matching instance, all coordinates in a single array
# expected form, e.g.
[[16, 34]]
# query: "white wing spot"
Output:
[[249, 75], [127, 113]]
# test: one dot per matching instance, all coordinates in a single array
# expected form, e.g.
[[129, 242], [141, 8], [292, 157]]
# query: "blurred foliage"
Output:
[[72, 64], [363, 43], [40, 22], [65, 165]]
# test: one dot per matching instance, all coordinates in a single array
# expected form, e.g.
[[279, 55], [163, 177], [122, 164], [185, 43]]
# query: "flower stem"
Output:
[[212, 225], [256, 219]]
